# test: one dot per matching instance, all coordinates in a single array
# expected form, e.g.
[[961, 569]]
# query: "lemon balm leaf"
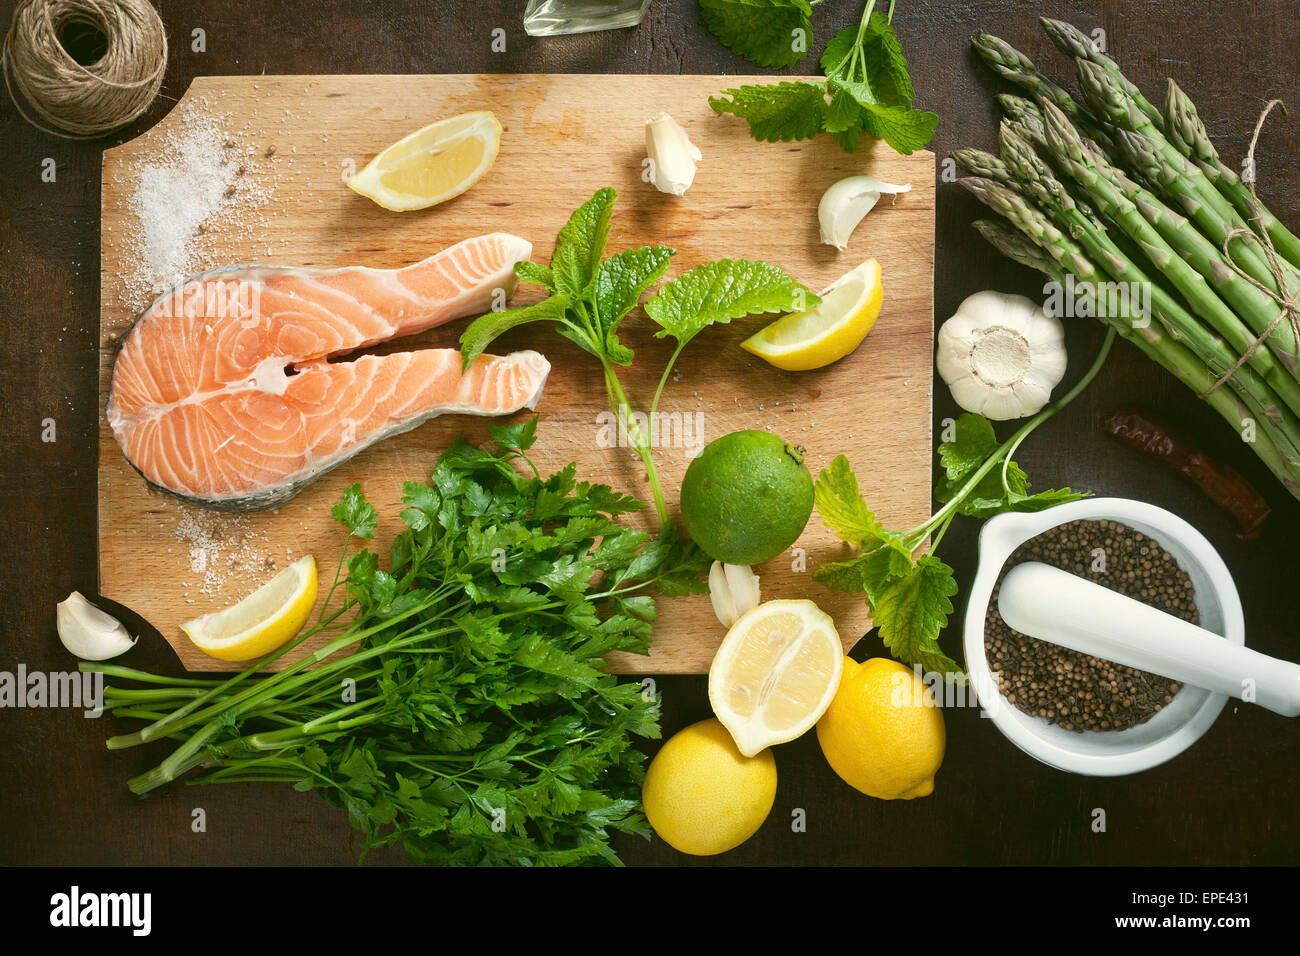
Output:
[[762, 31], [910, 611], [484, 330], [723, 290]]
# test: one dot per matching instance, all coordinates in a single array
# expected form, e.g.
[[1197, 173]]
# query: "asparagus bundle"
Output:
[[1115, 190]]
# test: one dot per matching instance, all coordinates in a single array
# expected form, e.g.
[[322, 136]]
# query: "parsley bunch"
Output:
[[590, 295], [867, 87], [463, 712], [909, 595]]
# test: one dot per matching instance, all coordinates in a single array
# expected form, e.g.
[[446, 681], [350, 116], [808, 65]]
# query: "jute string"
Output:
[[1286, 298], [79, 101]]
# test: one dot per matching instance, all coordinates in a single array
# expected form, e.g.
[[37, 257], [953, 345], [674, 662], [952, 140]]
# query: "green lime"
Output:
[[747, 497]]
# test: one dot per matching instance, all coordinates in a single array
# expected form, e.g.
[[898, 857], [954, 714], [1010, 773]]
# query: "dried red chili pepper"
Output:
[[1222, 484]]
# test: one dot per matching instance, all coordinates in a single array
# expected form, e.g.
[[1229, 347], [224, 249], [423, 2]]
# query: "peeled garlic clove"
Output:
[[846, 203], [733, 589], [672, 155], [88, 632]]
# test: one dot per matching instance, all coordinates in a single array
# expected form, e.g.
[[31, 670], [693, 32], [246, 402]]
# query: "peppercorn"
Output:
[[1072, 690]]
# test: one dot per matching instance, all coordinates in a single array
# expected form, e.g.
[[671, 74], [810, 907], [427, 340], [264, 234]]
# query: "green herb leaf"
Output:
[[484, 330], [777, 112], [581, 244], [763, 31], [355, 513], [721, 291], [842, 508], [910, 611]]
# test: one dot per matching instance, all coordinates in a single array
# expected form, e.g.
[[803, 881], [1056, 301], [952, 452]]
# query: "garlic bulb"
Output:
[[733, 589], [1001, 355], [846, 203], [672, 155], [88, 632]]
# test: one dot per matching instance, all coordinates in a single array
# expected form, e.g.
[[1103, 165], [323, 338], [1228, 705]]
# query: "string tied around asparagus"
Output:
[[1284, 296]]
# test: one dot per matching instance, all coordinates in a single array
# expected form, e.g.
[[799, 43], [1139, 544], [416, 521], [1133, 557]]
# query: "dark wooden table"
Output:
[[63, 798]]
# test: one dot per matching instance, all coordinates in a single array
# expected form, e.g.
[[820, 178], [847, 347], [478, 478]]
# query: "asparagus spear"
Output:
[[1172, 181], [1112, 192], [1282, 427], [1166, 353], [1188, 134], [1076, 44], [1010, 63], [1112, 104]]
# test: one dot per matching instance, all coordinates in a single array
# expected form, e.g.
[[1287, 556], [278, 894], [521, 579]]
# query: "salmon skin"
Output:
[[226, 392]]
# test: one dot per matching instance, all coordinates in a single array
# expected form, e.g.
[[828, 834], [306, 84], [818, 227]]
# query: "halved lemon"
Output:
[[432, 164], [775, 673], [825, 334], [266, 619]]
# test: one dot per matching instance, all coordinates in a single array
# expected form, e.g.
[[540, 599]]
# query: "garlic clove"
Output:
[[846, 203], [733, 590], [673, 156], [88, 632]]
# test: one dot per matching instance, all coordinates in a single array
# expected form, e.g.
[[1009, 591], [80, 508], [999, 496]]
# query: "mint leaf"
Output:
[[620, 280], [842, 508], [910, 611], [778, 112], [761, 30], [973, 441], [723, 290], [581, 244], [536, 274], [484, 330], [906, 130], [881, 65]]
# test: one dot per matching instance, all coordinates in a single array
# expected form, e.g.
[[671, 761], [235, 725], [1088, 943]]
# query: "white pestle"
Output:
[[1061, 608]]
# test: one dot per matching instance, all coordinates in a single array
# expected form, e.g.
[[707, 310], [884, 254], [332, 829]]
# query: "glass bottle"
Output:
[[544, 18]]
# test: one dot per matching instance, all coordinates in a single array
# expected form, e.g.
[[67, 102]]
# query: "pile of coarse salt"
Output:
[[202, 179], [222, 546]]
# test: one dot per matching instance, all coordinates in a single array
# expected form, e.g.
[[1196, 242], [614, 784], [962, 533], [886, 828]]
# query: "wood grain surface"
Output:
[[1223, 802], [564, 137]]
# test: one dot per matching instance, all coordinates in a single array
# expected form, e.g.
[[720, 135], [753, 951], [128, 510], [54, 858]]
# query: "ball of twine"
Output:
[[82, 101]]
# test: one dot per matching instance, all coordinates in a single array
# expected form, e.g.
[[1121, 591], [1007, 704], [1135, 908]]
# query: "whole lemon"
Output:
[[883, 732], [702, 796]]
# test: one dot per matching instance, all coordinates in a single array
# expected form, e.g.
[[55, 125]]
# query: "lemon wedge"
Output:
[[433, 164], [775, 673], [261, 622], [825, 334]]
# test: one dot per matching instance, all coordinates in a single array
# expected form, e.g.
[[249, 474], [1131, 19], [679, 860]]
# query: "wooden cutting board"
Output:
[[564, 137]]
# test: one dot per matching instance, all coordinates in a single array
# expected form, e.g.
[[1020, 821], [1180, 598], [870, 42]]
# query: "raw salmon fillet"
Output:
[[223, 392]]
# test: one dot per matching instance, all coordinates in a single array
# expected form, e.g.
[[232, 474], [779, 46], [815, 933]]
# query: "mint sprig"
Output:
[[910, 593], [591, 294], [867, 90]]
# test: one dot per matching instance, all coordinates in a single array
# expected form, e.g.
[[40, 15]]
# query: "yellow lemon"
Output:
[[266, 619], [433, 164], [828, 332], [883, 733], [775, 673], [702, 795]]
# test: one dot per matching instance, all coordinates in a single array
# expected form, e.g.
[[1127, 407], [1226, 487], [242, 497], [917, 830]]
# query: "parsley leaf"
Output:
[[355, 513], [764, 31]]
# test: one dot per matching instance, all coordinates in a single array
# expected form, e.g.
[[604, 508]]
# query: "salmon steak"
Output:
[[232, 391]]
